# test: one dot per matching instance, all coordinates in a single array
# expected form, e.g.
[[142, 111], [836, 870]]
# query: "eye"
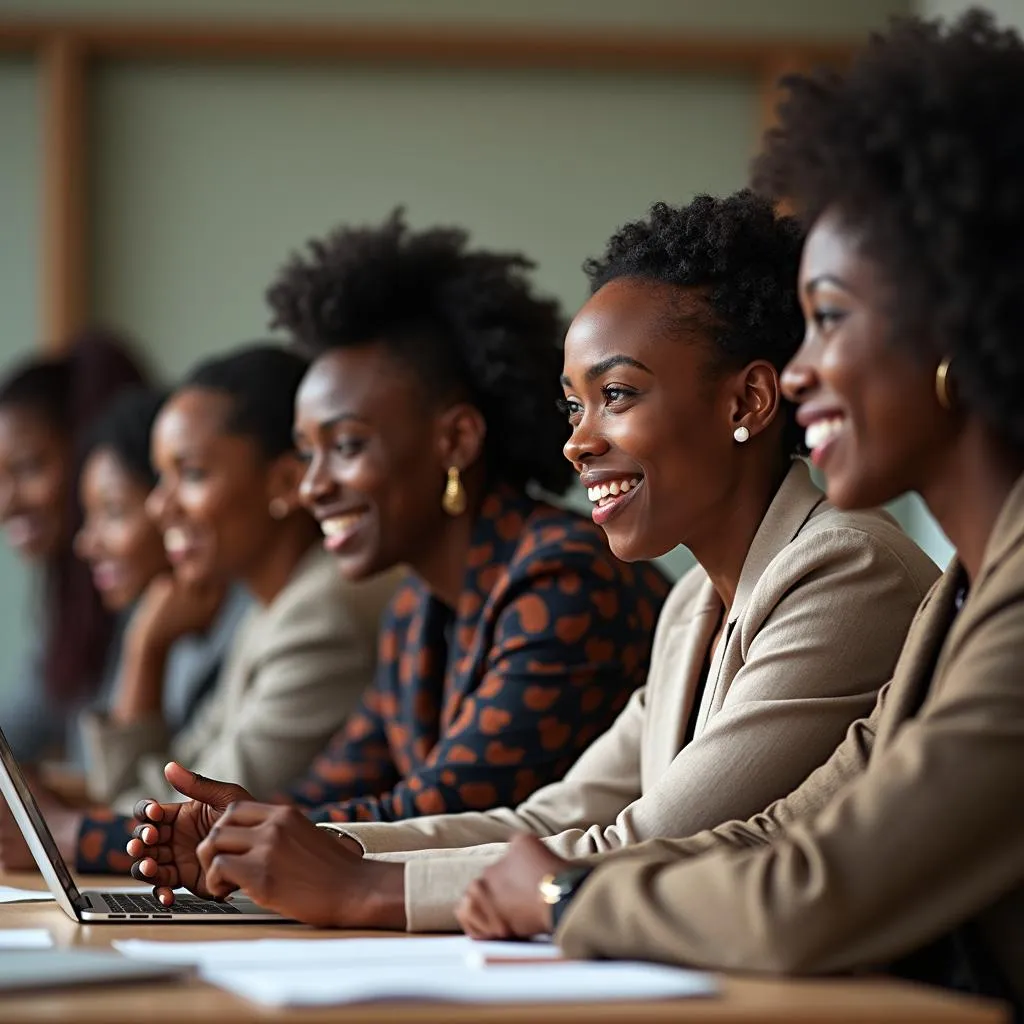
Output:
[[572, 408], [826, 318], [615, 394], [192, 474], [349, 447]]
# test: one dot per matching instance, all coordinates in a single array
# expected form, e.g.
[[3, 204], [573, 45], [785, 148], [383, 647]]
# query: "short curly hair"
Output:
[[466, 321], [742, 257], [919, 147]]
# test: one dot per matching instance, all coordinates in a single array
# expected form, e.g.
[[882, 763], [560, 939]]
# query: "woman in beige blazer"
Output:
[[227, 505], [671, 387], [906, 849]]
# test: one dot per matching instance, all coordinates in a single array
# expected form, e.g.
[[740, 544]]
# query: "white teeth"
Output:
[[337, 525], [601, 493], [175, 539], [822, 431]]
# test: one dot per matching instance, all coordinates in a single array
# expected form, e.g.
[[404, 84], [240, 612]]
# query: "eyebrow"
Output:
[[335, 421], [605, 365], [816, 282]]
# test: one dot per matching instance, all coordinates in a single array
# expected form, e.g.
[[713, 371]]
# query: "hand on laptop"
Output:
[[505, 902], [283, 862], [165, 843]]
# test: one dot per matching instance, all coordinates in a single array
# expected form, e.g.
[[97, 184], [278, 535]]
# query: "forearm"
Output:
[[141, 686]]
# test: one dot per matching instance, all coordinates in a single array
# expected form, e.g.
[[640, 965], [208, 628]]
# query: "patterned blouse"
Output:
[[478, 706]]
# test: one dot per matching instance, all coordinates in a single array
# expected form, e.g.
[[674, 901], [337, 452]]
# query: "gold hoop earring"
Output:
[[943, 389], [279, 508], [454, 499]]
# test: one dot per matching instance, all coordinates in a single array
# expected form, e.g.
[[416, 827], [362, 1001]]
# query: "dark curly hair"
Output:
[[466, 321], [742, 257], [919, 148], [261, 380], [125, 429]]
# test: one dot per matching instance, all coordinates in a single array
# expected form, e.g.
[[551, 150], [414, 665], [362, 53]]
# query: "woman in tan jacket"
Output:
[[679, 431], [906, 849]]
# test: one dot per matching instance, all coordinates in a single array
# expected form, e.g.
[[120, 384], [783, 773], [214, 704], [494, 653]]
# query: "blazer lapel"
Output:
[[672, 695]]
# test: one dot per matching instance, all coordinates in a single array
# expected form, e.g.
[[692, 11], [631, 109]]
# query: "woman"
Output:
[[670, 382], [125, 552], [46, 405], [426, 421], [226, 504], [906, 848]]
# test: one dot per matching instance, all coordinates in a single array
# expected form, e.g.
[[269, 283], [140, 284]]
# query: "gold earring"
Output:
[[943, 390], [279, 508], [454, 500]]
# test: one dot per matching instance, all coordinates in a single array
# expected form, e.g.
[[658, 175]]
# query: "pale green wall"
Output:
[[19, 205]]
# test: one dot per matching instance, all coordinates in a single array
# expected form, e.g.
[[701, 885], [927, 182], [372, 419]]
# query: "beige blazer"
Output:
[[821, 610], [913, 827], [294, 671]]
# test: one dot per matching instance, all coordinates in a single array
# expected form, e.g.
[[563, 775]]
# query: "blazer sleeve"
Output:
[[929, 834], [542, 699]]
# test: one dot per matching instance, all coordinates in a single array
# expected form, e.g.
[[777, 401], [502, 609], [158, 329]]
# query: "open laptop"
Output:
[[108, 908]]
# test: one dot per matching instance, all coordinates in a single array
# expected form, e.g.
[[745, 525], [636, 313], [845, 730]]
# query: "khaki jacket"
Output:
[[294, 671], [821, 610], [914, 827]]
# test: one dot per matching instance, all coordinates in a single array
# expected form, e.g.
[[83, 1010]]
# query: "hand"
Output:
[[165, 843], [505, 901], [170, 610], [280, 859], [63, 822]]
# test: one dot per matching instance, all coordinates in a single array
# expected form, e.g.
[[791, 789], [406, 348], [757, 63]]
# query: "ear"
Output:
[[461, 435], [756, 399], [283, 479]]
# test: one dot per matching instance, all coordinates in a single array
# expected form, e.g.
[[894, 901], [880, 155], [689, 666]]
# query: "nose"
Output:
[[316, 482], [584, 443], [799, 378], [83, 544], [157, 503]]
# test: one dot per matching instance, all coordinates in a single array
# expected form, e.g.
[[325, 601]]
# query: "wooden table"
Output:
[[744, 999]]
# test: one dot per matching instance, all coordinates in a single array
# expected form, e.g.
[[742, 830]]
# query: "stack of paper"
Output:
[[315, 972]]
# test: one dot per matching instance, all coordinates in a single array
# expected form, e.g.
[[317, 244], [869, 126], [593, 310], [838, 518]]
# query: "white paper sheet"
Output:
[[8, 894], [273, 954], [535, 983], [324, 972], [25, 938]]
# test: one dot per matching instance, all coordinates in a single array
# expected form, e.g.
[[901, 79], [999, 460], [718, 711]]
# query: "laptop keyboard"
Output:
[[151, 905]]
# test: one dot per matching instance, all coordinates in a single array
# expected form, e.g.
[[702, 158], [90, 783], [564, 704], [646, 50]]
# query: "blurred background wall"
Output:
[[203, 174]]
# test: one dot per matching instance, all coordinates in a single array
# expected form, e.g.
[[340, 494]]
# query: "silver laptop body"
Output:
[[108, 908]]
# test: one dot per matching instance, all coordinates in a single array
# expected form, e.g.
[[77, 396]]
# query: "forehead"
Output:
[[23, 426], [647, 321], [364, 381], [834, 250], [191, 415], [104, 470]]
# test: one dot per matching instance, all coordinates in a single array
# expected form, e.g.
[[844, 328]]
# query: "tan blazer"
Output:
[[913, 827], [294, 671], [821, 610]]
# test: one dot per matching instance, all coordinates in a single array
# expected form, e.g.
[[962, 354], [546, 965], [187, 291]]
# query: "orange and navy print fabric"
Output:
[[479, 705]]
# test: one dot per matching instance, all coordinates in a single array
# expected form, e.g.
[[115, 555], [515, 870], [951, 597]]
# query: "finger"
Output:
[[149, 810], [226, 873], [247, 813], [164, 894], [147, 870], [229, 839], [152, 835]]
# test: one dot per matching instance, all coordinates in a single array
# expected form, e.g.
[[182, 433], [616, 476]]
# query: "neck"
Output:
[[722, 541], [443, 565], [287, 547], [968, 491]]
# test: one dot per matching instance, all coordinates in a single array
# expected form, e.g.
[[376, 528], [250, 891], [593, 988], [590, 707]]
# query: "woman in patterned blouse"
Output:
[[430, 414]]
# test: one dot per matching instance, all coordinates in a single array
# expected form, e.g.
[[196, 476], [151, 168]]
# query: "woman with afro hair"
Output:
[[429, 419], [905, 851], [670, 381]]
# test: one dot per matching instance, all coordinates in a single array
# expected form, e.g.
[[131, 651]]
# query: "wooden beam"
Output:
[[63, 283], [423, 46]]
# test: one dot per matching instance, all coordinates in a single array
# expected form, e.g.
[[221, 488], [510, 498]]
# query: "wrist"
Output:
[[372, 896]]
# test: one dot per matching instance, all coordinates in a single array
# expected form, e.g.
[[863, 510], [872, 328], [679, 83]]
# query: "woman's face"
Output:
[[212, 500], [374, 479], [120, 542], [874, 424], [34, 469], [651, 427]]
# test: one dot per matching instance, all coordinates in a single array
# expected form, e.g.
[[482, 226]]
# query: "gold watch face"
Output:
[[550, 893]]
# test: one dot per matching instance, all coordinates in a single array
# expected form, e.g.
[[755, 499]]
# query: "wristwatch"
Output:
[[557, 891]]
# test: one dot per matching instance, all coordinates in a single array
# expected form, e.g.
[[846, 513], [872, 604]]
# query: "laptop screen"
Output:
[[27, 814]]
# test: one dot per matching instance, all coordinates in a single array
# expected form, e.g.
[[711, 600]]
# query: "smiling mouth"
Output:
[[178, 543], [612, 496], [820, 435], [339, 530]]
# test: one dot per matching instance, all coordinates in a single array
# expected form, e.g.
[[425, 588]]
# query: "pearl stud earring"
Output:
[[740, 434]]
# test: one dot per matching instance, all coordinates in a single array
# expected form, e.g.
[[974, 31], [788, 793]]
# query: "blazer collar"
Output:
[[1008, 532], [790, 509]]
